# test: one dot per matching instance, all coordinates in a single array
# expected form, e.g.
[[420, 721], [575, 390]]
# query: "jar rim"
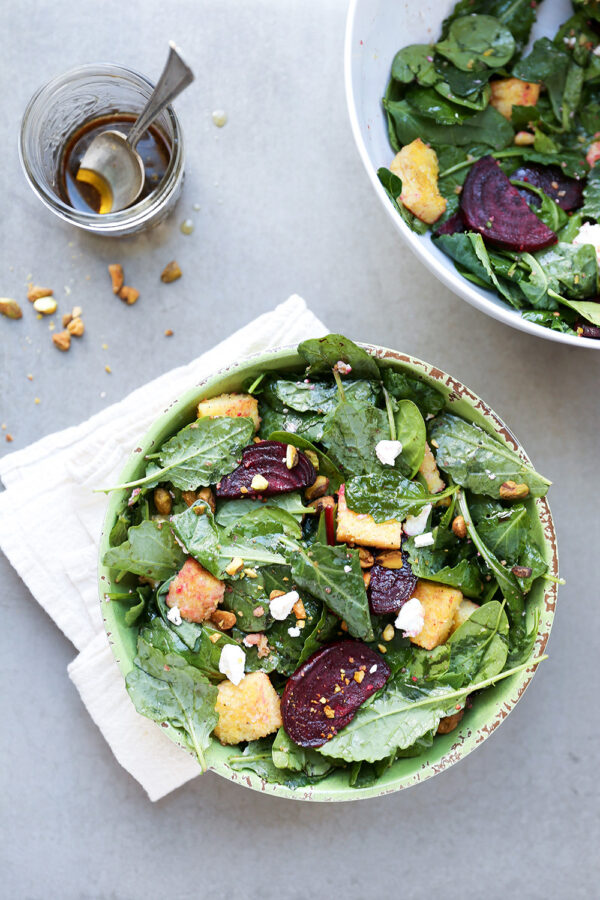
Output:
[[132, 216]]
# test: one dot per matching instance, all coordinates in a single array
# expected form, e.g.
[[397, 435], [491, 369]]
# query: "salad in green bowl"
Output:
[[313, 577]]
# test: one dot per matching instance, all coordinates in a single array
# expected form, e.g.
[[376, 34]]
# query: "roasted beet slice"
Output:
[[268, 460], [494, 208], [323, 695], [389, 589], [568, 192], [452, 225]]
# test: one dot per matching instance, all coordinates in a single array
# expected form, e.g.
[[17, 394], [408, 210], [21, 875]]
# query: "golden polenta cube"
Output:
[[361, 528], [466, 609], [231, 405], [417, 167], [509, 92], [247, 711], [439, 608], [195, 592], [431, 473]]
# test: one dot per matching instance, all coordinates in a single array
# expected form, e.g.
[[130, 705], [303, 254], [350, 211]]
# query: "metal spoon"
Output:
[[111, 163]]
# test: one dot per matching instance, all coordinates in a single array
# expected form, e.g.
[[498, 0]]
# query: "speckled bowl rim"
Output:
[[501, 699]]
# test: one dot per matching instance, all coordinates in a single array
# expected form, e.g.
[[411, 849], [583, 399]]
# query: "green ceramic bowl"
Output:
[[491, 707]]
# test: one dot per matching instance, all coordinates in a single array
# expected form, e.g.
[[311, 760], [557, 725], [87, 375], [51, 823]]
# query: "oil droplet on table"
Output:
[[219, 117], [186, 226]]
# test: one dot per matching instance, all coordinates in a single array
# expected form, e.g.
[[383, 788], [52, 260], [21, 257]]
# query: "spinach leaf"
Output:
[[521, 645], [505, 530], [333, 574], [389, 495], [461, 84], [487, 127], [412, 434], [258, 757], [165, 688], [244, 597], [547, 64], [433, 105], [321, 355], [591, 196], [588, 309], [351, 434], [414, 63], [475, 102], [571, 269], [548, 210], [471, 258], [478, 461], [288, 755], [200, 454], [408, 387], [326, 466], [477, 42], [323, 631], [316, 396], [552, 320], [308, 425], [150, 550], [432, 564], [233, 510], [518, 15], [189, 640], [393, 188], [479, 647], [262, 522]]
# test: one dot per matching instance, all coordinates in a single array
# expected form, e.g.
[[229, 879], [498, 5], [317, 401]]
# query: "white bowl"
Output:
[[375, 31]]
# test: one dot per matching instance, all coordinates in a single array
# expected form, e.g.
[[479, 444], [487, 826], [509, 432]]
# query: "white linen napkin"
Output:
[[50, 522]]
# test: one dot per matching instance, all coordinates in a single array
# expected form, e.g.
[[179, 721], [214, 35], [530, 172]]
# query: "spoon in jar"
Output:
[[111, 163]]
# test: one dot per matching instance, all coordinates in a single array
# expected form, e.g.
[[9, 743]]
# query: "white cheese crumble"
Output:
[[411, 618], [281, 607], [424, 540], [373, 669], [174, 615], [417, 524], [589, 234], [596, 50], [294, 632], [387, 451], [347, 569], [232, 662]]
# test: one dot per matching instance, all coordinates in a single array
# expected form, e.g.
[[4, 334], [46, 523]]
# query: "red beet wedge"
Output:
[[494, 208], [323, 695], [267, 459], [568, 192], [389, 589]]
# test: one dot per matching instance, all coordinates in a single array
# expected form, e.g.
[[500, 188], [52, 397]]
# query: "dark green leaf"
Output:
[[321, 355], [150, 550], [408, 387], [477, 41], [389, 495], [393, 188], [414, 63], [351, 435], [487, 127]]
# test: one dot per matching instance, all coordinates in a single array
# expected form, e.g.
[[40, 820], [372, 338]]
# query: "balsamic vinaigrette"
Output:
[[152, 147]]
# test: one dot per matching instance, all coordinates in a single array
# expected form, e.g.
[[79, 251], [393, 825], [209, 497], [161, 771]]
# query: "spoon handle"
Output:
[[175, 76]]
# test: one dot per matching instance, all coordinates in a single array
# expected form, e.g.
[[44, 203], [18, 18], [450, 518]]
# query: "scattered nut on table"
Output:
[[171, 272], [35, 292], [76, 327], [10, 308], [117, 276], [62, 340], [45, 305], [129, 295]]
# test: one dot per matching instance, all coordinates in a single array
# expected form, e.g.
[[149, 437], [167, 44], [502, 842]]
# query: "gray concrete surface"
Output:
[[285, 206]]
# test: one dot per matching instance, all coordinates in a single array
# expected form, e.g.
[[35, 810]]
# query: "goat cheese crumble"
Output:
[[417, 524], [387, 451], [281, 607], [424, 540], [589, 234], [411, 618], [294, 632], [232, 662], [174, 615]]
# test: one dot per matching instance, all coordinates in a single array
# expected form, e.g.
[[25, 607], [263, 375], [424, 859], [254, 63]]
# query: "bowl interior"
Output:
[[491, 707], [376, 30]]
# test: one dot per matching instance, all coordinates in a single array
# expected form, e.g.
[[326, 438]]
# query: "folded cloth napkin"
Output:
[[50, 522]]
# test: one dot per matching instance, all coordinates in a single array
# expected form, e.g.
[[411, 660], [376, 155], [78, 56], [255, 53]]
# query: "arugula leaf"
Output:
[[150, 550], [432, 564], [477, 42], [408, 387], [351, 434], [392, 185], [165, 688], [199, 455], [288, 755], [322, 570], [479, 647], [321, 355], [389, 495], [232, 510], [326, 466], [478, 461], [412, 434], [317, 396]]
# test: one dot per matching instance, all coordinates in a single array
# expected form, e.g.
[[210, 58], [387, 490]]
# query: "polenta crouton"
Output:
[[195, 592], [509, 92], [439, 608], [247, 711], [431, 473], [232, 405], [593, 154], [360, 528], [417, 167], [466, 609]]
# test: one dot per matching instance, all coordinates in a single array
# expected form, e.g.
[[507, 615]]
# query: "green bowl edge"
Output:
[[491, 708]]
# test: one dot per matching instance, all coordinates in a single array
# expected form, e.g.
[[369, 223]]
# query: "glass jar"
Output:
[[66, 103]]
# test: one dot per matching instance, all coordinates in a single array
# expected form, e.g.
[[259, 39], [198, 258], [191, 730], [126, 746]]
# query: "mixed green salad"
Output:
[[496, 151], [324, 570]]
